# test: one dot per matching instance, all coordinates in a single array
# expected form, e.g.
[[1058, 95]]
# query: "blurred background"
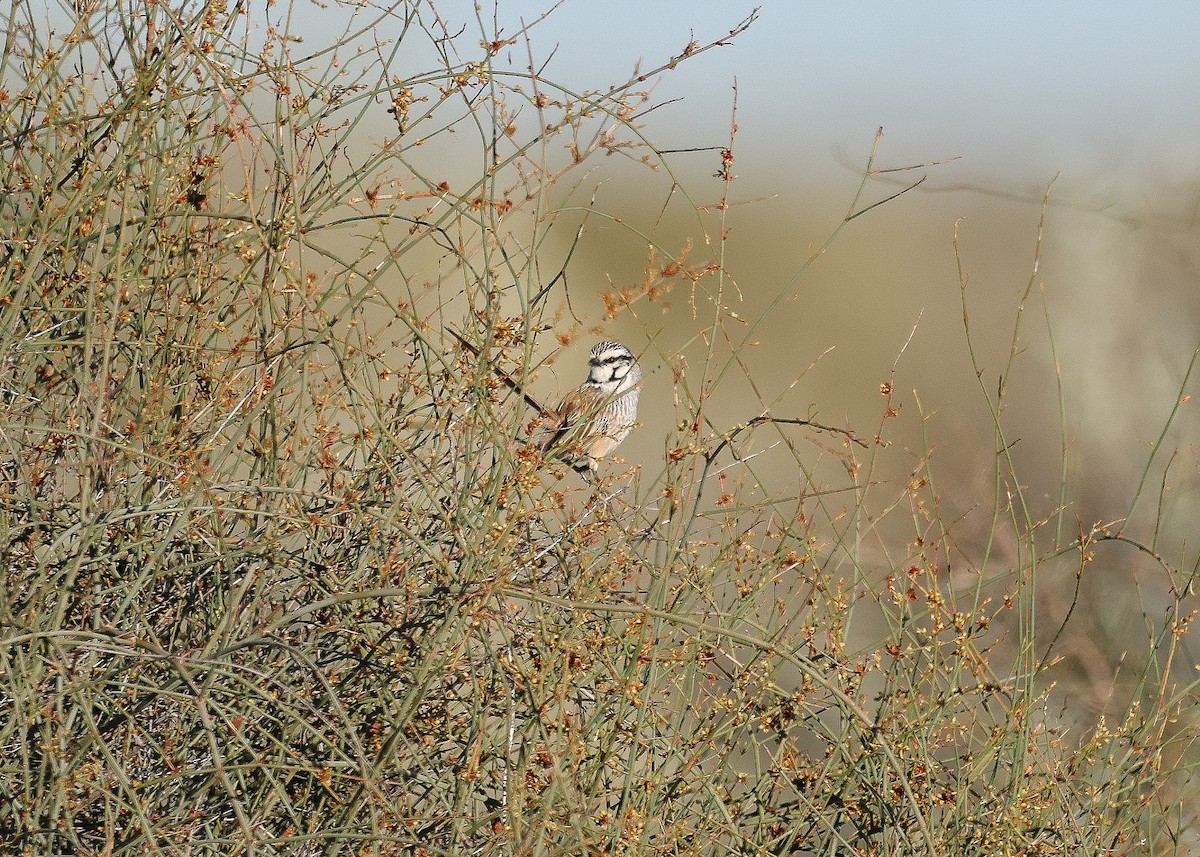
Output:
[[1095, 104], [1100, 99]]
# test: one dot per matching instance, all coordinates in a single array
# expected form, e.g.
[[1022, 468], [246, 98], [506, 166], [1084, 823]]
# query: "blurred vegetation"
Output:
[[281, 574]]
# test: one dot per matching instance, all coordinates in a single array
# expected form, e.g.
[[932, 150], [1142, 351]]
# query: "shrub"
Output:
[[281, 572]]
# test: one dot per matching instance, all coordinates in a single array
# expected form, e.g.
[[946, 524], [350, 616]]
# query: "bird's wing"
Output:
[[572, 418]]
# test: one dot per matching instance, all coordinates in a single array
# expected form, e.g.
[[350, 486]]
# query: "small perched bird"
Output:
[[593, 420]]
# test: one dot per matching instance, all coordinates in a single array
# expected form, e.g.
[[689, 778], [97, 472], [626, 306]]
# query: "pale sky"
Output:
[[1024, 89]]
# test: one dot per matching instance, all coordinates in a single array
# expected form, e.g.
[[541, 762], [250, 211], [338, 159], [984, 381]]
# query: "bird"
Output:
[[593, 419]]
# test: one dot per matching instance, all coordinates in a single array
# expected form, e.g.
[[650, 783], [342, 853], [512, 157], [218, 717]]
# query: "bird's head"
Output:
[[612, 368]]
